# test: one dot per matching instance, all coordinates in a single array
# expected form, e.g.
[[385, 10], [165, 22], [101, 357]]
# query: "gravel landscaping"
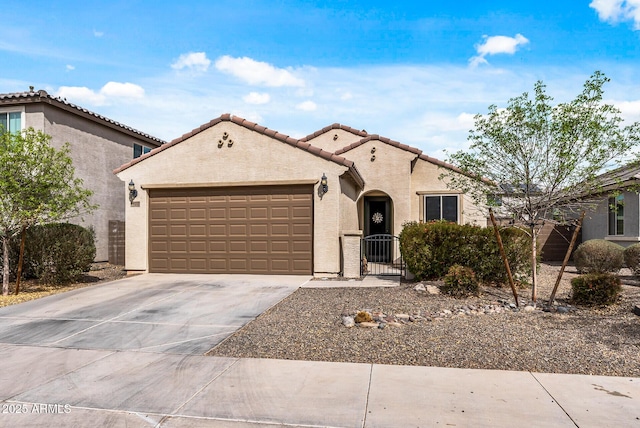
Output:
[[479, 332]]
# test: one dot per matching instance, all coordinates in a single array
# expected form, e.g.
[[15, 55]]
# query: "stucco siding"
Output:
[[389, 172], [596, 222], [245, 157], [96, 150], [426, 178], [334, 140]]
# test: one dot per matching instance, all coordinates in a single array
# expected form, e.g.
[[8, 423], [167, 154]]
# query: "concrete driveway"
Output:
[[175, 314]]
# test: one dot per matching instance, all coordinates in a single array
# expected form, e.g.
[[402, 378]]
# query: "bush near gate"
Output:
[[430, 249], [595, 289], [57, 253]]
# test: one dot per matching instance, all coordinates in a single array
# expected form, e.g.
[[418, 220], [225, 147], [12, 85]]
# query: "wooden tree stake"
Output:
[[504, 256]]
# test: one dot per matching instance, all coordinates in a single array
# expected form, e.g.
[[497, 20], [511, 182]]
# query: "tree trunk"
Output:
[[574, 238], [5, 265], [23, 236], [534, 265]]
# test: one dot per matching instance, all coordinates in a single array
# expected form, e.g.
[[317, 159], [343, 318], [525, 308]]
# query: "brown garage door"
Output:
[[260, 230]]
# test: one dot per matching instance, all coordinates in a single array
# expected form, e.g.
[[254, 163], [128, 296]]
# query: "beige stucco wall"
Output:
[[426, 178], [96, 151], [389, 173], [334, 140], [252, 158]]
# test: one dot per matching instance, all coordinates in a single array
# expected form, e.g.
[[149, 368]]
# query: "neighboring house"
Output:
[[617, 214], [234, 196], [97, 144]]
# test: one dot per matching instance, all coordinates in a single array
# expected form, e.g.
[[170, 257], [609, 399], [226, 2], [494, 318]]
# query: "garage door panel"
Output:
[[280, 229], [218, 213], [237, 230], [232, 230]]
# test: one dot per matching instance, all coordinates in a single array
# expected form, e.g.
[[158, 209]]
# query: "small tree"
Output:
[[543, 159], [37, 186]]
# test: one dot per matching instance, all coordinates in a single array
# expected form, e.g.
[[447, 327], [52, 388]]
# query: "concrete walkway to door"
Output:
[[128, 354]]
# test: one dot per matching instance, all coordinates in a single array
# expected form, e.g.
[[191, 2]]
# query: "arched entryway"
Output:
[[376, 214]]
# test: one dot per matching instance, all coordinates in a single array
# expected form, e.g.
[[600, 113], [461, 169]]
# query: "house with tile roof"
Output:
[[98, 145], [233, 196]]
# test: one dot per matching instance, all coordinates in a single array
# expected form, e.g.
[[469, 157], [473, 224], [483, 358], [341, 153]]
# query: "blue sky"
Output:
[[415, 72]]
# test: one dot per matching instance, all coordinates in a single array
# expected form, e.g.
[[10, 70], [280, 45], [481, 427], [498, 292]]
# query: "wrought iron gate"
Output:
[[381, 256]]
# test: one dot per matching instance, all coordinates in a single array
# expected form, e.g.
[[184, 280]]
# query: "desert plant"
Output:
[[55, 253], [632, 258], [363, 316], [460, 281], [595, 289], [430, 249], [598, 256]]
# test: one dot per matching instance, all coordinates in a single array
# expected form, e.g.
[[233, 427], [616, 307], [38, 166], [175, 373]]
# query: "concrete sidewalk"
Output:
[[143, 389]]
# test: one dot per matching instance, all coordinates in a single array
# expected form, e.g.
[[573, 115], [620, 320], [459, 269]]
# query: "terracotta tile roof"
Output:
[[326, 129], [41, 96], [300, 144]]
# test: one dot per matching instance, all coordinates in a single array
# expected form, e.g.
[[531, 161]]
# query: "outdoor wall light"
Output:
[[133, 193], [324, 186]]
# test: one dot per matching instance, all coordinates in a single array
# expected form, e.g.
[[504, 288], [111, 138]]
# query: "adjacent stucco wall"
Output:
[[252, 159], [426, 178], [596, 222], [334, 140], [96, 151], [388, 173]]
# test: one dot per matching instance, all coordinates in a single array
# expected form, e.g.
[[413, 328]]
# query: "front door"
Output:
[[377, 221]]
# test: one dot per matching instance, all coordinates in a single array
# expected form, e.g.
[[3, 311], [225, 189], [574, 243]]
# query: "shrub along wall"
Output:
[[54, 253], [430, 249]]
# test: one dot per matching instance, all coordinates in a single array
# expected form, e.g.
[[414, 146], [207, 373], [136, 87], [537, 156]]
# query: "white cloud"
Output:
[[346, 96], [194, 61], [618, 10], [307, 106], [257, 98], [256, 72], [122, 90], [630, 110], [497, 45], [70, 67], [98, 33], [109, 92]]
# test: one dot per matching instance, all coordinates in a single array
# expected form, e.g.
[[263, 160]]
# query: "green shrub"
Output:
[[595, 289], [632, 258], [430, 249], [54, 253], [598, 256], [460, 281]]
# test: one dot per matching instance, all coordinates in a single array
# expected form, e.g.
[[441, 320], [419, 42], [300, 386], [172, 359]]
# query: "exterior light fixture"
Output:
[[324, 187], [133, 193]]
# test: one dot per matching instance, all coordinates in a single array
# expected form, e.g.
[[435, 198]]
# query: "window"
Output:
[[441, 207], [139, 150], [616, 215], [11, 121]]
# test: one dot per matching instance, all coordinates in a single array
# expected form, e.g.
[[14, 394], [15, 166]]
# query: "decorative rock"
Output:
[[529, 308], [563, 310], [446, 312], [394, 324], [636, 310], [404, 317], [348, 321], [368, 324], [432, 289], [420, 288], [382, 325]]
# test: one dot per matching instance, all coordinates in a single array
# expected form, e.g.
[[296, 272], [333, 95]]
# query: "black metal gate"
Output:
[[381, 256]]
